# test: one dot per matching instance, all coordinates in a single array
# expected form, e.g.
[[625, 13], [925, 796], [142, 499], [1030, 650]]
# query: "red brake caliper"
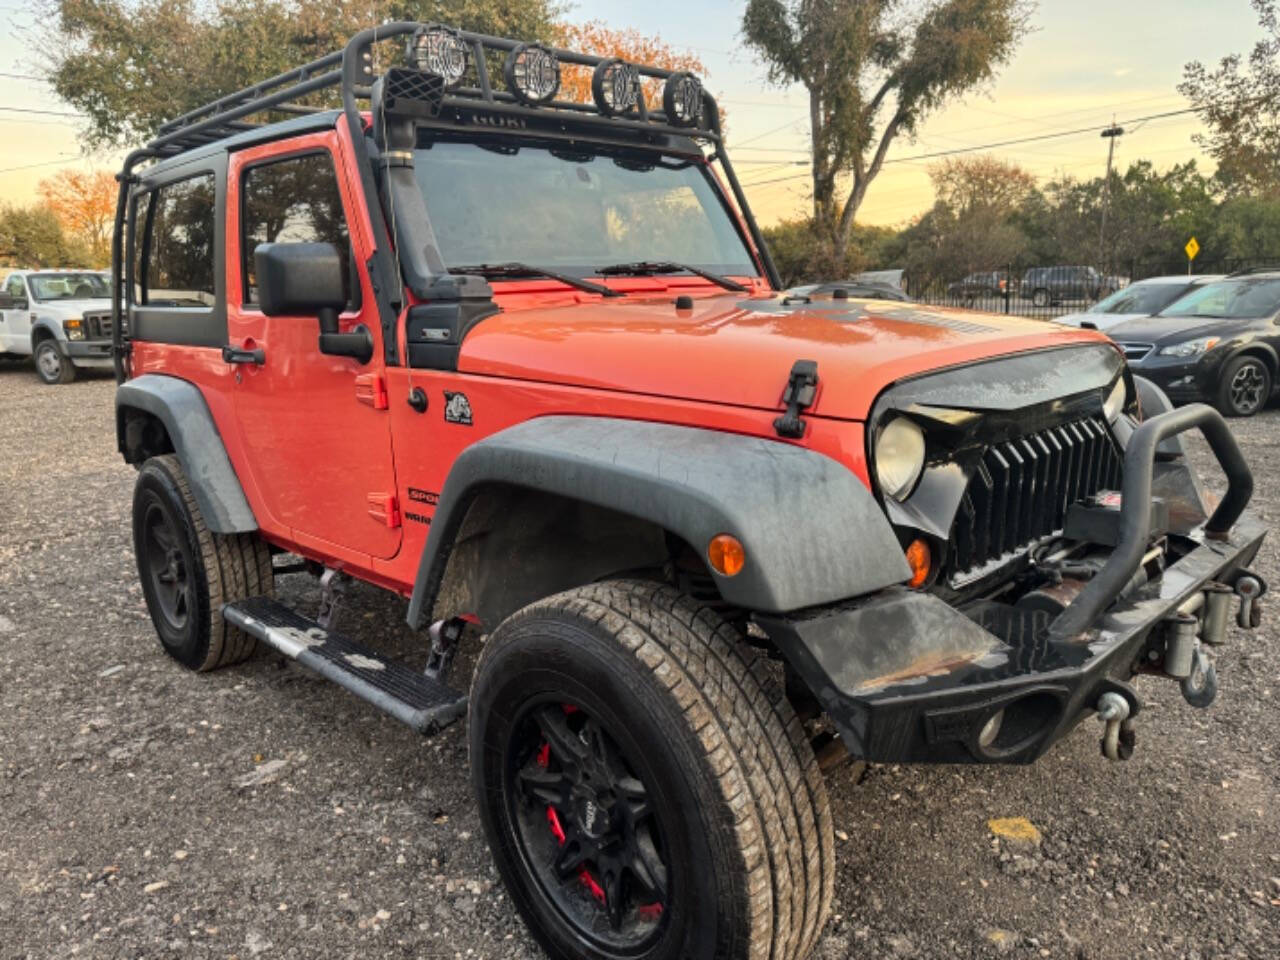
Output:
[[557, 829]]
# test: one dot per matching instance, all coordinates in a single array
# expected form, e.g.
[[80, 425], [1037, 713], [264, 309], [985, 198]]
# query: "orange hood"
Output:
[[739, 350]]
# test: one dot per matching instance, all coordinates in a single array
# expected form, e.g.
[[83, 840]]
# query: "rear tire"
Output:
[[189, 572], [1245, 387], [51, 366], [1040, 298], [736, 807]]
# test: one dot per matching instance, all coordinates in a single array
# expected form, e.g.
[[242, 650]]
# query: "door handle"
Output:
[[239, 355]]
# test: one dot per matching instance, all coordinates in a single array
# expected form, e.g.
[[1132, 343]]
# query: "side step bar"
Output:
[[411, 697]]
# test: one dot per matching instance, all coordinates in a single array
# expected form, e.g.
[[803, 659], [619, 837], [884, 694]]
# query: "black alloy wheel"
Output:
[[586, 827], [1246, 387], [165, 561]]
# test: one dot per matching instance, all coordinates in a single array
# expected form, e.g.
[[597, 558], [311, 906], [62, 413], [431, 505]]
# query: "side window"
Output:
[[295, 200], [15, 288], [177, 253]]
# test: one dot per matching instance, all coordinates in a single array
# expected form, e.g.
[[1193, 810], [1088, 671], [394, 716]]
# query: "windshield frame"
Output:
[[691, 157], [1206, 289]]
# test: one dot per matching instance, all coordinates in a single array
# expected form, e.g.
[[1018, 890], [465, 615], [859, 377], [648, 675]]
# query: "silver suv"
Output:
[[59, 318]]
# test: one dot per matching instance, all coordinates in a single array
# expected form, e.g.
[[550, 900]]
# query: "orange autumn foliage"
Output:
[[595, 38], [85, 206]]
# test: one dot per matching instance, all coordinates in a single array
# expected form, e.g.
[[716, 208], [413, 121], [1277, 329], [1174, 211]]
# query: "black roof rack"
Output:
[[351, 71]]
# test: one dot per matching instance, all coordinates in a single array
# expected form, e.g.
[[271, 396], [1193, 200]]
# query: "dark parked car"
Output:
[[988, 283], [1218, 343], [849, 290], [1048, 285]]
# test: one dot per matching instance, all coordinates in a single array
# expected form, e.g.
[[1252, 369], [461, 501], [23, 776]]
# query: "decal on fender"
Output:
[[457, 408]]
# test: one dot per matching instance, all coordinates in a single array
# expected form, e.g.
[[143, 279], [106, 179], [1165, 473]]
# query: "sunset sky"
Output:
[[1086, 61]]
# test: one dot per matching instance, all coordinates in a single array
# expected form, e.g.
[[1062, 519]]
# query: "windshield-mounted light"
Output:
[[532, 73], [682, 99], [1191, 348], [439, 50], [615, 87], [899, 455]]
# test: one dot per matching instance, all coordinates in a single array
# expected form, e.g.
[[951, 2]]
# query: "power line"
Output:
[[50, 113], [1016, 142], [23, 76], [46, 163]]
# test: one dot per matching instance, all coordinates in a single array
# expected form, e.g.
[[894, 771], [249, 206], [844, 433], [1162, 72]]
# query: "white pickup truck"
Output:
[[59, 318]]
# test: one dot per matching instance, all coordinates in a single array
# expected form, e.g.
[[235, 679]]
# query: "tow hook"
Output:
[[1249, 589], [1118, 738]]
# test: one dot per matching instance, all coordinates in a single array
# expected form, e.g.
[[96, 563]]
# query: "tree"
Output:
[[967, 184], [1241, 107], [596, 38], [874, 69], [33, 237], [130, 65], [85, 205], [800, 258]]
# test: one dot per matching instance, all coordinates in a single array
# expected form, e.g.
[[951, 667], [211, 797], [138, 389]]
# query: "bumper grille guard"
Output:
[[1022, 488]]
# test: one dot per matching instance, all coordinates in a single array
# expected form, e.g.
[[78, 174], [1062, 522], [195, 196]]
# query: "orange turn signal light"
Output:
[[920, 560], [726, 555]]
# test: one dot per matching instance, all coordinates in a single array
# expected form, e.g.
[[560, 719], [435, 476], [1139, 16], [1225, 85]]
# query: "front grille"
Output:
[[1021, 489], [97, 326], [1136, 351]]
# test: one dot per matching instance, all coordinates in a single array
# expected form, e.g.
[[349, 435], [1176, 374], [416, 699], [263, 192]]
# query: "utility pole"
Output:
[[1110, 134]]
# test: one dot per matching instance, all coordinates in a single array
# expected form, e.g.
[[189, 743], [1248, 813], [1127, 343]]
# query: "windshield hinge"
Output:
[[802, 387]]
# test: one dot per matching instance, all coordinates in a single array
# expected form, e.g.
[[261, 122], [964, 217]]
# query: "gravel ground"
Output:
[[260, 811]]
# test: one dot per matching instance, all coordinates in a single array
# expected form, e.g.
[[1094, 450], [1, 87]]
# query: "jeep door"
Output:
[[318, 441], [15, 317]]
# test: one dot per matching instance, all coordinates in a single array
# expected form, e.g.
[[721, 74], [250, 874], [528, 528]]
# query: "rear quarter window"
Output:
[[176, 258]]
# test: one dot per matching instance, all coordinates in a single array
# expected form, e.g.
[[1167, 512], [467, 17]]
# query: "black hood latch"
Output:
[[802, 387]]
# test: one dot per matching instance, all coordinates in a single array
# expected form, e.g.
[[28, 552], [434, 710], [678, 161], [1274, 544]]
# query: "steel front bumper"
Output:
[[907, 678]]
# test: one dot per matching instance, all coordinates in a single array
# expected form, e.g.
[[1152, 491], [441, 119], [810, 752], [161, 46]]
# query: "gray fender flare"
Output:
[[812, 532], [46, 328], [181, 407]]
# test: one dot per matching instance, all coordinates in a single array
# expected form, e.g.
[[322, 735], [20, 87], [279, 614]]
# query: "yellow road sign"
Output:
[[1192, 248]]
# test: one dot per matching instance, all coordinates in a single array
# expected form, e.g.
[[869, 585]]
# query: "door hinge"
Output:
[[802, 388], [371, 389], [384, 508]]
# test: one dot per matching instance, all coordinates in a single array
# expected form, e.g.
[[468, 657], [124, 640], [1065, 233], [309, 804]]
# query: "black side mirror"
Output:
[[302, 279]]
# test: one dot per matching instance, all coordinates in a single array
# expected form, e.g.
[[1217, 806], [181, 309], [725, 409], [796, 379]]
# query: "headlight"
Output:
[[1114, 404], [899, 457], [74, 329], [1191, 348]]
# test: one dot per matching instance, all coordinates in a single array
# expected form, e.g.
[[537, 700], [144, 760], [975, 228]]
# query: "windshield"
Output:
[[574, 211], [67, 286], [1145, 298], [1242, 299]]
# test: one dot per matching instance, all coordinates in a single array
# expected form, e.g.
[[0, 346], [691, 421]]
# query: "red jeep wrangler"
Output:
[[521, 361]]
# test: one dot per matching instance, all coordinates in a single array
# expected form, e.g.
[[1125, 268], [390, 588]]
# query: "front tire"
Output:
[[623, 724], [51, 366], [1040, 298], [1245, 387], [188, 572]]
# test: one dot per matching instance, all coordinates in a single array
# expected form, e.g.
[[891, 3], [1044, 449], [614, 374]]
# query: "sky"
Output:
[[1085, 62]]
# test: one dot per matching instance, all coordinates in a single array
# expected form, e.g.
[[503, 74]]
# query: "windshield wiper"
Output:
[[651, 267], [514, 270]]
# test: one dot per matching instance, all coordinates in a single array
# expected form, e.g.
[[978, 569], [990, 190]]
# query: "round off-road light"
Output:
[[682, 99], [439, 50], [899, 456], [532, 73], [991, 729], [615, 87]]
